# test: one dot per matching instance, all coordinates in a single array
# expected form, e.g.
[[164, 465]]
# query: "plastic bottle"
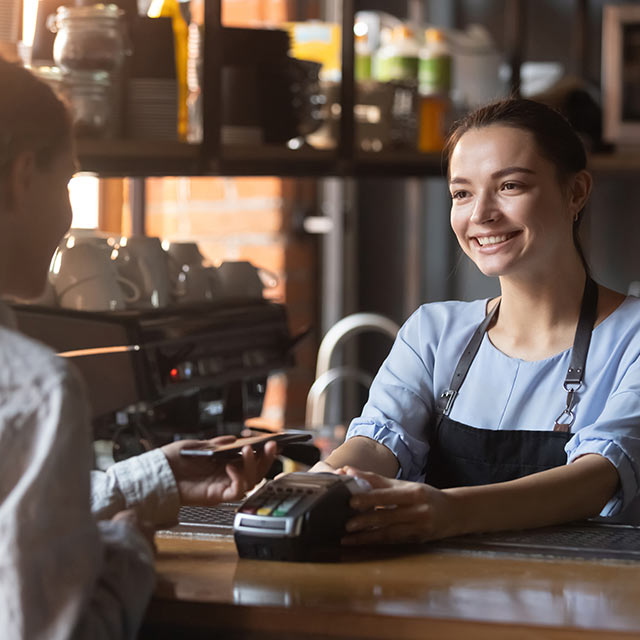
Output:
[[362, 66], [171, 9], [397, 59], [434, 86], [434, 67]]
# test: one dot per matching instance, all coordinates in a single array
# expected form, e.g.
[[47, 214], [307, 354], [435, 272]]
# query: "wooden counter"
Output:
[[206, 591]]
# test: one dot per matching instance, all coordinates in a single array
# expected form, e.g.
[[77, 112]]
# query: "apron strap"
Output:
[[447, 398], [575, 373]]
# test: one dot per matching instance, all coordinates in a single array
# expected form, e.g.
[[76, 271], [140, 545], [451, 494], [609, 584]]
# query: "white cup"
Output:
[[193, 279], [85, 278], [98, 238], [241, 279], [196, 284], [142, 260]]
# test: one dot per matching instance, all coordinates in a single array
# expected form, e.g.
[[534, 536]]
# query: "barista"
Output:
[[65, 571], [515, 412]]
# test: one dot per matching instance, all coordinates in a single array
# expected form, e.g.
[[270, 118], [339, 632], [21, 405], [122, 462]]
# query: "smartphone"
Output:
[[233, 449]]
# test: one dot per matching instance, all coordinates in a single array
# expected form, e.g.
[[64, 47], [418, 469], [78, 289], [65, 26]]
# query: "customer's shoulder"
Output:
[[24, 360]]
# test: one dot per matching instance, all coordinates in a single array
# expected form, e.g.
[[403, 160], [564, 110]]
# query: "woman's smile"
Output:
[[495, 240]]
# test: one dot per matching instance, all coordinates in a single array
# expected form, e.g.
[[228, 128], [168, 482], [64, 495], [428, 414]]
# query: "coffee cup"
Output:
[[85, 278], [193, 280], [241, 279], [142, 260], [98, 238]]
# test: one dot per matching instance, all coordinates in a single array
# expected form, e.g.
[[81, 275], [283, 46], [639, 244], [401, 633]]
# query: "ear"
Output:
[[19, 181], [580, 189]]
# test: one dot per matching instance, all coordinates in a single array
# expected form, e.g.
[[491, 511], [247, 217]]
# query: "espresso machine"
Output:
[[153, 376]]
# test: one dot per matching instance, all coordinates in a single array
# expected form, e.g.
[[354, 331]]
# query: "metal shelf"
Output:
[[119, 158], [620, 161], [142, 158]]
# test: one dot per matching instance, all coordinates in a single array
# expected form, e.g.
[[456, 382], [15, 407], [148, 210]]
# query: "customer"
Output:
[[513, 412], [62, 574]]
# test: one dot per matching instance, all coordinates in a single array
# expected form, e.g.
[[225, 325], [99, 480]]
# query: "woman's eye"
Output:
[[510, 186], [458, 195]]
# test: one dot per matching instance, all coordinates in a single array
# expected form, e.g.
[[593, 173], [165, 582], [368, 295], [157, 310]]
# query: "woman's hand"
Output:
[[398, 511], [204, 481]]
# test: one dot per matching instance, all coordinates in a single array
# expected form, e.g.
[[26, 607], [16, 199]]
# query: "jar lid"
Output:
[[93, 11]]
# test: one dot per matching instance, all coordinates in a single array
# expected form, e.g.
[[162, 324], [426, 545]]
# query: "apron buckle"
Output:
[[446, 400], [566, 418]]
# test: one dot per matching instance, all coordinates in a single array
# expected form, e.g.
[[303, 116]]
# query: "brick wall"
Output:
[[251, 219]]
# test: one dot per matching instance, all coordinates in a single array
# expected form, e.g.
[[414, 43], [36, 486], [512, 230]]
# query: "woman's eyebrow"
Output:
[[508, 170], [457, 180], [497, 174]]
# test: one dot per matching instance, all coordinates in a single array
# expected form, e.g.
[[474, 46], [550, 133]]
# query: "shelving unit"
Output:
[[140, 158]]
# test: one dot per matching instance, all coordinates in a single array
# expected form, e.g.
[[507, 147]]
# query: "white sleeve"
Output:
[[57, 569], [144, 483]]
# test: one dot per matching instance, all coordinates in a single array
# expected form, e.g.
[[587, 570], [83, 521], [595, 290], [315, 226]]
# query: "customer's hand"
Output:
[[143, 526], [205, 481], [398, 511]]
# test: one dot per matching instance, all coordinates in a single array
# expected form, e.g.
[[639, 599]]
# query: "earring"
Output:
[[575, 218]]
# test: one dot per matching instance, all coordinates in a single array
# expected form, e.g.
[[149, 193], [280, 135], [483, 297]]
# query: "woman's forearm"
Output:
[[572, 492], [365, 454]]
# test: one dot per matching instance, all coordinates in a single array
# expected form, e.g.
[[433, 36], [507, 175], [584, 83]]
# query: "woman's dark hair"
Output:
[[32, 118], [555, 137]]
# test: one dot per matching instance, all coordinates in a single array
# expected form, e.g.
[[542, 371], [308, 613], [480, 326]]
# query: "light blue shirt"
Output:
[[501, 392]]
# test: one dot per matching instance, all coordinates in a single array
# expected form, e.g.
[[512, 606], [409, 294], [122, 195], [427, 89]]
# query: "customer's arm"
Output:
[[59, 570], [155, 483]]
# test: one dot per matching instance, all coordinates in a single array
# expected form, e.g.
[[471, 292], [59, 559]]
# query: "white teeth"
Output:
[[491, 240]]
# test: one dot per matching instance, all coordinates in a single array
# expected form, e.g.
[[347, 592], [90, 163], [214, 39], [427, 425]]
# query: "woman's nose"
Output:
[[484, 209]]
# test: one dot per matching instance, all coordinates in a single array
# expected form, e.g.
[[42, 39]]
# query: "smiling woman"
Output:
[[515, 412]]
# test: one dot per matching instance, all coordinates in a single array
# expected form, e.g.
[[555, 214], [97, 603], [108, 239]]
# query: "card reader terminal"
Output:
[[300, 517]]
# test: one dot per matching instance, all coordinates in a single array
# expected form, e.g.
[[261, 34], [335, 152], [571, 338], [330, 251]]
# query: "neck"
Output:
[[544, 303]]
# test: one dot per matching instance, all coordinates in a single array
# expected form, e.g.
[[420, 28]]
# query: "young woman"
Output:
[[76, 559], [516, 412]]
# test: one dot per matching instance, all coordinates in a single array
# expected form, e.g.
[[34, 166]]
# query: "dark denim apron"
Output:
[[460, 455]]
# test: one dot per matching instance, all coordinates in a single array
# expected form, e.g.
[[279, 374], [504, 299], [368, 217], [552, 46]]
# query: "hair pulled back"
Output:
[[554, 135]]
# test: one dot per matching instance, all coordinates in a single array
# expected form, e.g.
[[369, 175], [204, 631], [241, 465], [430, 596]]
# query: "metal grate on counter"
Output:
[[218, 519], [586, 540]]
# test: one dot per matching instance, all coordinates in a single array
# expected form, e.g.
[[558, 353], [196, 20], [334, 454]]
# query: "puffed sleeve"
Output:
[[401, 399], [616, 436]]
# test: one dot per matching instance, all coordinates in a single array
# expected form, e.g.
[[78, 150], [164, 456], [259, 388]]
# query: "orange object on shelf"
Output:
[[433, 122]]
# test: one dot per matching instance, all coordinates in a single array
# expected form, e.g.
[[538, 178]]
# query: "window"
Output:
[[84, 193]]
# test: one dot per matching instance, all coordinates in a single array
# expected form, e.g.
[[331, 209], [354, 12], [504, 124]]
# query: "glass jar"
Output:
[[90, 94], [89, 38]]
